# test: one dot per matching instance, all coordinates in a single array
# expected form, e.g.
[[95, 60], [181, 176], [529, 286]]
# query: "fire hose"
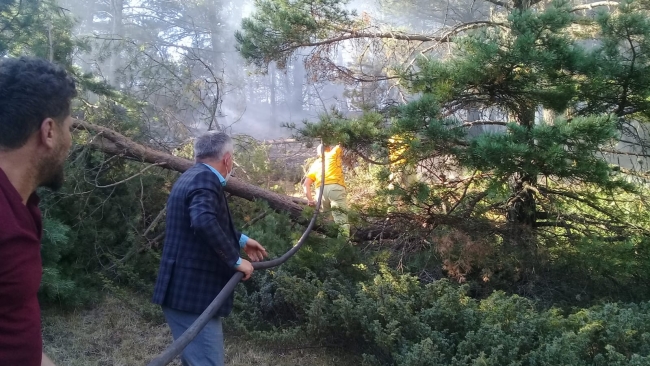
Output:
[[177, 347]]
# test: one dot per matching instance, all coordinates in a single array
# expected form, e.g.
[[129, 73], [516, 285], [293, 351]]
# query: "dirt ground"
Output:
[[114, 334]]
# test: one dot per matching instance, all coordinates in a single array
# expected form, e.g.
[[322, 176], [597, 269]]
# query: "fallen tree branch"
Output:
[[116, 144]]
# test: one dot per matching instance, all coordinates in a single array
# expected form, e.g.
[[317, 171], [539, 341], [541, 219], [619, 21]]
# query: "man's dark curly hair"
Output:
[[31, 90]]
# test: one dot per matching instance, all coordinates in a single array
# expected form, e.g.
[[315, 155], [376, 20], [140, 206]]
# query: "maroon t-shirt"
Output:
[[21, 269]]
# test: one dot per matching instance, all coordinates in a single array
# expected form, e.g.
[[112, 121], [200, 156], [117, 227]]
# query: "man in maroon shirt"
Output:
[[35, 138]]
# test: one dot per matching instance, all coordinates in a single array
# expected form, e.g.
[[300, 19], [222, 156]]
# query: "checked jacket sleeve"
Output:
[[209, 216]]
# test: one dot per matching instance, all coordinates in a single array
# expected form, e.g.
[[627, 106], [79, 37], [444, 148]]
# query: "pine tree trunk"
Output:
[[521, 207], [215, 39], [117, 28], [549, 116], [286, 90], [273, 94], [298, 81]]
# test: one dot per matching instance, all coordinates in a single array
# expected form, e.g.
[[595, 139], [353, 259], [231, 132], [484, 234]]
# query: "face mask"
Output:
[[229, 175]]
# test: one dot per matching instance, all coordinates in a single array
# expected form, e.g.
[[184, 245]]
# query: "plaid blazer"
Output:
[[201, 244]]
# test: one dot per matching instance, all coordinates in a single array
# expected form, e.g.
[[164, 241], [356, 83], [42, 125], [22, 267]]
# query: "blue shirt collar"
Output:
[[215, 171]]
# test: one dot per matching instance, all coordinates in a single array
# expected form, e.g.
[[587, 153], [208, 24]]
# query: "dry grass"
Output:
[[113, 334]]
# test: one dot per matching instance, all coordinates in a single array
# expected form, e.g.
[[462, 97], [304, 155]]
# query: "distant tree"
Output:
[[37, 28]]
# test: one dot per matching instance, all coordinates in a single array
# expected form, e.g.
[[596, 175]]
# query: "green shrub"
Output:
[[57, 286], [394, 319]]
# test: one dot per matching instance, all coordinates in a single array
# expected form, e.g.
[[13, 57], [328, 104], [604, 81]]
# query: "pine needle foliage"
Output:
[[561, 91]]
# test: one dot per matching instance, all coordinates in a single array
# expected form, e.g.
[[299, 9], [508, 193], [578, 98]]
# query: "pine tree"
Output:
[[37, 28], [533, 183]]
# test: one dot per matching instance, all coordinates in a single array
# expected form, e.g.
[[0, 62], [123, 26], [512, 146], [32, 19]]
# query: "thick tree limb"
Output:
[[353, 34], [611, 151], [509, 5], [512, 4], [114, 143], [484, 123], [594, 5]]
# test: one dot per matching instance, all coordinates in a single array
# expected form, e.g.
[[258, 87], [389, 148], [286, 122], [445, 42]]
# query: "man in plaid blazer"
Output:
[[201, 251]]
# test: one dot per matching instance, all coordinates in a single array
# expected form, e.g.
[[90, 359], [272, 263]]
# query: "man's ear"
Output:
[[47, 133], [227, 156]]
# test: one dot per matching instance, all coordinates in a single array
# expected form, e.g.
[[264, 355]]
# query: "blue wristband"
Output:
[[242, 240], [238, 262]]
